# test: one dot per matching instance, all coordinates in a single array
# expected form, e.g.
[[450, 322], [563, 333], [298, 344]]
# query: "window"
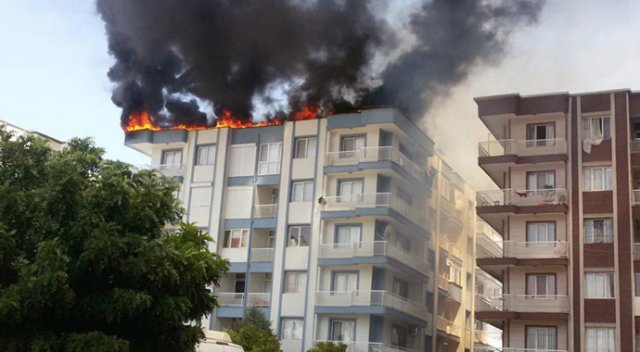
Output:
[[269, 162], [598, 231], [235, 238], [343, 330], [346, 235], [295, 281], [636, 277], [299, 236], [541, 338], [540, 135], [242, 160], [446, 190], [306, 148], [171, 159], [351, 146], [350, 190], [597, 178], [401, 241], [344, 281], [455, 272], [206, 154], [541, 232], [600, 339], [596, 127], [541, 180], [399, 336], [400, 287], [239, 284], [302, 191], [598, 285], [541, 285], [291, 329]]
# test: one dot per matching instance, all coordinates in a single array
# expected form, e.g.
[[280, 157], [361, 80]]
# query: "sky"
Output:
[[54, 60]]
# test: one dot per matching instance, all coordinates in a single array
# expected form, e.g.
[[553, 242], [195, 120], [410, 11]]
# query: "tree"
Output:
[[86, 263], [254, 333], [328, 346]]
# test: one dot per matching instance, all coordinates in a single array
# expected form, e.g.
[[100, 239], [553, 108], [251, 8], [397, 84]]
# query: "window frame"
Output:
[[299, 235], [555, 232], [536, 295], [603, 184], [406, 336], [306, 154], [334, 273], [244, 234], [610, 237], [304, 191], [613, 284], [297, 273], [531, 143], [337, 228], [595, 117], [342, 320], [351, 196], [540, 172], [211, 158], [526, 334], [600, 327], [291, 319], [164, 154], [269, 162]]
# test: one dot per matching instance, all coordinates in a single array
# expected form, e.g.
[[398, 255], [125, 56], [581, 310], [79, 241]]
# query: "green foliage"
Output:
[[328, 346], [85, 261], [254, 333]]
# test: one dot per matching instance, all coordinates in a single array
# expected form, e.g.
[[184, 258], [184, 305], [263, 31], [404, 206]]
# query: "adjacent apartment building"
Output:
[[53, 143], [346, 228], [564, 222]]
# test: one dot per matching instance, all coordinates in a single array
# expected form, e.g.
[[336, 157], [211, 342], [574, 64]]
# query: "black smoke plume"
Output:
[[182, 60]]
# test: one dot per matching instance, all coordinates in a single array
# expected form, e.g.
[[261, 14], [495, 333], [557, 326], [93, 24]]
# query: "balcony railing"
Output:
[[516, 249], [550, 196], [265, 210], [170, 170], [523, 303], [487, 247], [259, 299], [513, 349], [262, 255], [371, 298], [522, 147], [635, 197], [372, 154], [371, 249], [230, 299], [377, 200], [443, 282], [448, 326], [364, 346]]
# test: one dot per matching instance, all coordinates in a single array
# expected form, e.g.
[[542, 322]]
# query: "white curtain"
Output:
[[599, 285], [541, 338], [600, 339]]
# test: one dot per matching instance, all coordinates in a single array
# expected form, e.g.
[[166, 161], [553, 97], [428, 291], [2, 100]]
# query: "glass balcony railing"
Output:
[[373, 154], [523, 303], [265, 210], [522, 147], [516, 249], [372, 249], [500, 197], [372, 298], [259, 299], [262, 255], [230, 299], [413, 212]]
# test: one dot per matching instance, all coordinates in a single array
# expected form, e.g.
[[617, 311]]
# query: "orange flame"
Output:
[[141, 121]]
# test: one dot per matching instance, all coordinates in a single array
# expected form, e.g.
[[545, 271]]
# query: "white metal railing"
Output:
[[377, 298], [371, 154], [262, 255], [519, 249], [522, 147], [524, 303], [635, 197], [364, 346], [230, 299], [448, 326], [634, 146], [259, 299], [265, 210], [370, 249], [550, 196], [374, 200], [513, 349]]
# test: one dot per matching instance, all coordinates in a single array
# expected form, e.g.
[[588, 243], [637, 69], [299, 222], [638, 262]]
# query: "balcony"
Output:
[[443, 282], [230, 299], [523, 303], [494, 206], [376, 200], [372, 299], [373, 249], [376, 154], [169, 170], [265, 210], [259, 299], [365, 346], [448, 326], [513, 349], [262, 255], [524, 250]]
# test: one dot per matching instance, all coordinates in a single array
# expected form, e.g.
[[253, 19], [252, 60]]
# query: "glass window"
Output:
[[306, 148], [596, 127], [599, 285], [598, 230], [636, 277], [172, 158], [269, 162], [541, 338], [401, 241], [299, 236], [541, 285], [343, 330], [541, 231], [295, 281], [206, 154], [302, 191], [344, 281], [597, 178], [541, 180], [600, 339], [540, 135], [350, 190], [455, 272], [399, 336], [291, 329], [347, 235], [235, 238]]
